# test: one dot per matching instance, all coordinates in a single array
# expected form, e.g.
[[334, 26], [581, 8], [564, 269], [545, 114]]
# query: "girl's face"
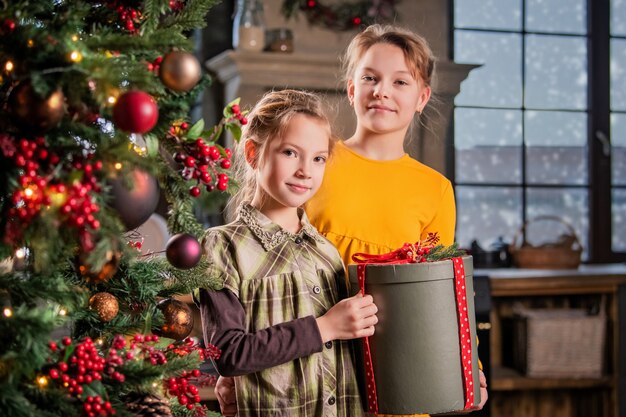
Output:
[[383, 92], [292, 169]]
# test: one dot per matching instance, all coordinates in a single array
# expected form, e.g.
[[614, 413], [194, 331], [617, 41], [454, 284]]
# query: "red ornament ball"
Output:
[[183, 251], [135, 112]]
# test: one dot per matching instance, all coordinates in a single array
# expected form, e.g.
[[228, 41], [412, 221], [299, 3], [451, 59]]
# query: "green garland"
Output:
[[345, 16]]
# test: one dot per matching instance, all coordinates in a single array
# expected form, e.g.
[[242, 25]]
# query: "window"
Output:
[[533, 125]]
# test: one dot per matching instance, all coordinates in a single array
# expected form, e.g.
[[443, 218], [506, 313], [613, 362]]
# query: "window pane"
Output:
[[485, 213], [619, 220], [556, 151], [618, 149], [569, 204], [556, 72], [498, 83], [556, 16], [618, 74], [488, 14], [618, 17], [488, 145]]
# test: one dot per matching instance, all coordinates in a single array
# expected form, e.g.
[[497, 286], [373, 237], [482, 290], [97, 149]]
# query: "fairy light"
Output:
[[20, 253], [154, 385], [7, 312], [111, 99], [139, 144], [99, 341], [75, 38], [62, 312], [76, 56], [28, 192], [9, 66], [42, 381], [118, 166]]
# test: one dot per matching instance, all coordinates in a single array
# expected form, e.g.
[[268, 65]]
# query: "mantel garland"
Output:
[[343, 16]]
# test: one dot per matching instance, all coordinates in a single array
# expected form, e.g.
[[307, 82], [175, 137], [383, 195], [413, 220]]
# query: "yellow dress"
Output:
[[375, 207]]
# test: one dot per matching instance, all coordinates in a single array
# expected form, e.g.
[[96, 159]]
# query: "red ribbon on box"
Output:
[[410, 253]]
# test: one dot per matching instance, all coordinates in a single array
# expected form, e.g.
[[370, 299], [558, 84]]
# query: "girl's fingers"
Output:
[[368, 311], [366, 332]]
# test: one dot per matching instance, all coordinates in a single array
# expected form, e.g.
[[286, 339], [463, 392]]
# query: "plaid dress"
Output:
[[280, 282]]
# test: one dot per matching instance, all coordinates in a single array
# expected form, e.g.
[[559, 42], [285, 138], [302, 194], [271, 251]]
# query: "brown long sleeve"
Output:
[[223, 320]]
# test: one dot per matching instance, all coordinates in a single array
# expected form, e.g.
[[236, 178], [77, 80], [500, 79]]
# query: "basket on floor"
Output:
[[563, 254], [559, 343]]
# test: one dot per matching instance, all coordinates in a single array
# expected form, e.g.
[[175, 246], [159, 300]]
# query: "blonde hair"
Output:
[[417, 52], [268, 120]]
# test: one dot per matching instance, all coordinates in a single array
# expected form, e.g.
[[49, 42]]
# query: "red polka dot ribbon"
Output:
[[372, 398], [465, 338]]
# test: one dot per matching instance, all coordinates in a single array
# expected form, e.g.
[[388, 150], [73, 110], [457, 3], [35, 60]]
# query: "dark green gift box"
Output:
[[415, 350]]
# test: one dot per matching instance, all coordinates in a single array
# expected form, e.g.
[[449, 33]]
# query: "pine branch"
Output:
[[192, 16], [180, 215], [152, 11], [160, 40], [27, 287], [24, 339], [441, 252]]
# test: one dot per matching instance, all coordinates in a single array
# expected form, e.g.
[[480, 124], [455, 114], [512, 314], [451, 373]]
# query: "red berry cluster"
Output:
[[80, 205], [80, 364], [128, 15], [155, 65], [187, 393], [189, 346], [95, 405], [8, 26], [176, 5], [137, 244], [140, 348], [238, 115], [36, 165], [202, 162], [84, 366]]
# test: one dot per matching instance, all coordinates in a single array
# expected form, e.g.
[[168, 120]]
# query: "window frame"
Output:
[[599, 187]]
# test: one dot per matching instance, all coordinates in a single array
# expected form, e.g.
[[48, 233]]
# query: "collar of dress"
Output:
[[272, 235]]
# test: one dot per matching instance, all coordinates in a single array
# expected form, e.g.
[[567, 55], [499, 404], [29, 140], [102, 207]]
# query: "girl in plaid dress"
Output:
[[282, 319], [375, 197]]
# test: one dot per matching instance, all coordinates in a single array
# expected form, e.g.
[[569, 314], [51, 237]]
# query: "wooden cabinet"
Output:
[[511, 394]]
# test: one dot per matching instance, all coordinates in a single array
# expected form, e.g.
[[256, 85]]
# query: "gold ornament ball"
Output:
[[112, 261], [35, 112], [105, 305], [180, 71], [178, 319]]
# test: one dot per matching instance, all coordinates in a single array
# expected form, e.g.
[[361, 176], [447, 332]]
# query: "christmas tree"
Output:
[[94, 128]]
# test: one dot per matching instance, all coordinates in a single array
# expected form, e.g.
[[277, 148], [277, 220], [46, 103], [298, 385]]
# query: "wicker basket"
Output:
[[562, 255], [559, 343]]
